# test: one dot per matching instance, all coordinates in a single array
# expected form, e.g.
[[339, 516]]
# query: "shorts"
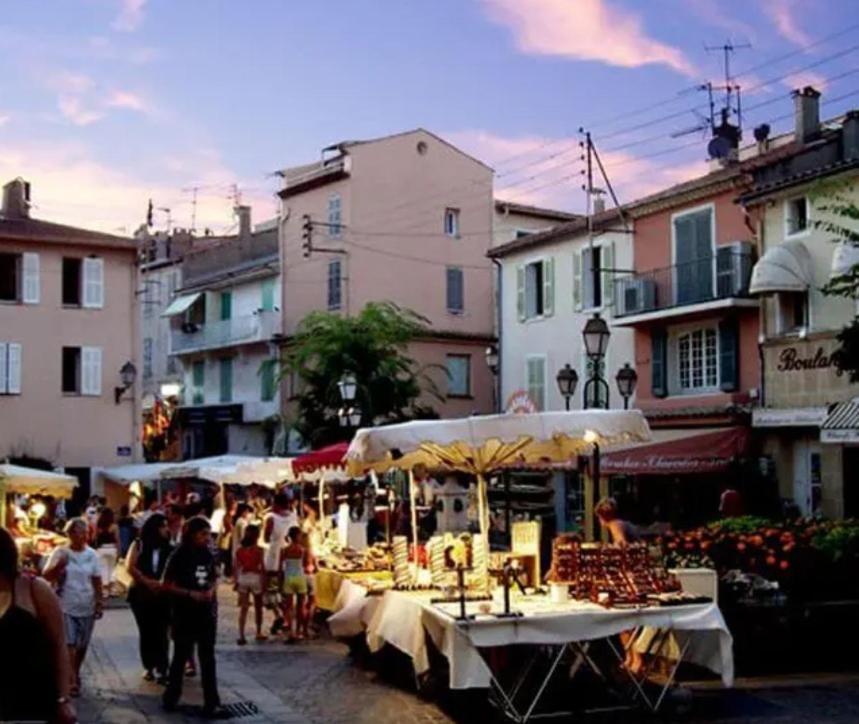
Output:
[[78, 630], [311, 583], [249, 583], [296, 585]]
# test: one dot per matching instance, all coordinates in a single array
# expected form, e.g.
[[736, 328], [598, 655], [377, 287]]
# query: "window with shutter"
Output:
[[226, 365], [335, 285], [458, 375], [335, 216], [729, 356], [607, 264], [226, 305], [30, 267], [535, 375], [658, 359], [592, 278], [548, 287], [198, 381], [268, 380], [71, 372], [90, 371], [267, 293], [4, 367], [520, 293], [93, 271], [13, 369], [455, 290], [577, 281], [535, 289]]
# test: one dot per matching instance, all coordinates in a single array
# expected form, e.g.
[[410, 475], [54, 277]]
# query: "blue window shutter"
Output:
[[658, 363], [729, 356]]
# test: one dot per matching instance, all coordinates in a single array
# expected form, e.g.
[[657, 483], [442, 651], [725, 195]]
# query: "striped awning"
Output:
[[842, 423]]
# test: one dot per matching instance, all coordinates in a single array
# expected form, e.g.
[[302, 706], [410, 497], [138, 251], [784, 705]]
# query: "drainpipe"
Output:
[[499, 324]]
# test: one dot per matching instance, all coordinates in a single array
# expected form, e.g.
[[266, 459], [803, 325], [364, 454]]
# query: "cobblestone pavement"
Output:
[[318, 682]]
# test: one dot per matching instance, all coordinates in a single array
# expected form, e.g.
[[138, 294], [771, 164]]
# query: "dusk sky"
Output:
[[106, 103]]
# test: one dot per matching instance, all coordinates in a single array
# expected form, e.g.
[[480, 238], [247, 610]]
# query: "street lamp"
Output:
[[626, 380], [349, 416], [492, 359], [127, 375], [596, 334], [348, 387], [567, 379]]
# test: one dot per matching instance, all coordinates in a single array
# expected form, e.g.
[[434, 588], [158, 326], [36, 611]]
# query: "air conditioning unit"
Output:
[[734, 263], [635, 295]]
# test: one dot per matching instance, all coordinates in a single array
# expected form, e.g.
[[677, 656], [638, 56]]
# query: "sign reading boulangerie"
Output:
[[791, 359]]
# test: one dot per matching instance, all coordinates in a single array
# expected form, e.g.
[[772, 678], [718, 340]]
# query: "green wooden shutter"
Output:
[[268, 383], [729, 356], [226, 379], [548, 287], [577, 281], [267, 295], [520, 293], [226, 305], [658, 363], [607, 262]]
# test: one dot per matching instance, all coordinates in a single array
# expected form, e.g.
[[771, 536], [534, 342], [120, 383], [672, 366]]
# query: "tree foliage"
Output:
[[372, 346], [842, 221]]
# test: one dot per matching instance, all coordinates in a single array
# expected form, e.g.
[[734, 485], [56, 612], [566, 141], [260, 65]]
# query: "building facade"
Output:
[[225, 323], [68, 325], [803, 386]]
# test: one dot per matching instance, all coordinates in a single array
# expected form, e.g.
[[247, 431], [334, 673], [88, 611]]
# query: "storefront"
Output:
[[802, 387]]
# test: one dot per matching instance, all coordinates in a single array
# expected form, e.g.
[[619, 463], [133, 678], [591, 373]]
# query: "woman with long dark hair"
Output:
[[35, 675], [147, 560], [191, 580]]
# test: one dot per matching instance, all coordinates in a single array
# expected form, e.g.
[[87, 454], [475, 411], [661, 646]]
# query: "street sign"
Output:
[[123, 451]]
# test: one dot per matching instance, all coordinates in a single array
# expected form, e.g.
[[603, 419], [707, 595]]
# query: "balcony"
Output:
[[714, 282], [259, 327]]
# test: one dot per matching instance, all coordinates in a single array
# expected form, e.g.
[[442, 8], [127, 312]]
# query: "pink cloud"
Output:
[[73, 109], [806, 77], [783, 13], [584, 30], [126, 100], [130, 15]]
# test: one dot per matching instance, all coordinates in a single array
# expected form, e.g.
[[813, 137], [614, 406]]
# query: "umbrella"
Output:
[[18, 479], [482, 444], [326, 464]]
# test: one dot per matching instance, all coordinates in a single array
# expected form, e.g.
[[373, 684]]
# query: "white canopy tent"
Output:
[[30, 481], [237, 469], [784, 268]]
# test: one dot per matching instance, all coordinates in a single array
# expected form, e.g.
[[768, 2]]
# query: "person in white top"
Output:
[[276, 525], [76, 571]]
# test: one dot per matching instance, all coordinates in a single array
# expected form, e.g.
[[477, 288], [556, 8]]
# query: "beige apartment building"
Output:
[[68, 327], [406, 218]]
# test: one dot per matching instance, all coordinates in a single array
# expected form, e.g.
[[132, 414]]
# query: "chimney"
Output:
[[244, 214], [807, 114], [16, 199], [850, 136]]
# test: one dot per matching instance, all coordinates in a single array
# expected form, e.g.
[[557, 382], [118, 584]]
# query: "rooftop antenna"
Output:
[[193, 190], [730, 87]]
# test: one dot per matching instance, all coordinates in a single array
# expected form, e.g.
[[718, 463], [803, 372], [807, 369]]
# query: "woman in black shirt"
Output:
[[191, 580], [147, 560]]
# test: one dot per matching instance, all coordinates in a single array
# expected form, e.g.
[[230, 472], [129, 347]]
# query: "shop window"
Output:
[[458, 375], [796, 216]]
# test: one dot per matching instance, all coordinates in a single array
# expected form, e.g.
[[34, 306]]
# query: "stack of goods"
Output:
[[402, 574], [436, 553], [565, 559], [479, 577]]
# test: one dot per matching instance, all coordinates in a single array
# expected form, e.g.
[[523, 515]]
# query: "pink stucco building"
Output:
[[405, 218], [68, 325]]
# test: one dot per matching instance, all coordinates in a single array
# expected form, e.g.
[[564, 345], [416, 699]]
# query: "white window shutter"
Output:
[[607, 262], [30, 273], [520, 293], [577, 281], [93, 283], [91, 371], [13, 369], [549, 287], [3, 367]]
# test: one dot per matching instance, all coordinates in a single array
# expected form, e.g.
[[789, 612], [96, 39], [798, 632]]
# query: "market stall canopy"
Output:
[[270, 471], [181, 304], [481, 444], [694, 452], [30, 481], [327, 463], [784, 268], [141, 473], [845, 257], [217, 469], [842, 423]]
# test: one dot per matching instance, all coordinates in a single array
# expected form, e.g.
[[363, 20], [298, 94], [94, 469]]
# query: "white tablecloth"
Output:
[[404, 619]]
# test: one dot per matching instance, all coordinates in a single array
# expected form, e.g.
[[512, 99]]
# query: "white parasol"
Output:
[[18, 479]]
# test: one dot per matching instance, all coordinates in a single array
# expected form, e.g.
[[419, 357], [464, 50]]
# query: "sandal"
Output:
[[242, 641]]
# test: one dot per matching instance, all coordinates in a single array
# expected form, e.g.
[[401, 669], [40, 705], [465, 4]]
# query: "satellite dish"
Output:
[[719, 147]]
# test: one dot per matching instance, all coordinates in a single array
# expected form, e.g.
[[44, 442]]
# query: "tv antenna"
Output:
[[731, 87]]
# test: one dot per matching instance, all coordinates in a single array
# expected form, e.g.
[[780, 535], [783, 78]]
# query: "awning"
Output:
[[696, 452], [842, 423], [140, 473], [181, 304], [846, 256], [784, 268], [326, 462], [31, 481]]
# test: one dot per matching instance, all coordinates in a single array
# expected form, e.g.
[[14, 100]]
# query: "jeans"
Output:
[[187, 634], [153, 619]]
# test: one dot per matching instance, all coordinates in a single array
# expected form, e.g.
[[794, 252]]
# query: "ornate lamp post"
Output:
[[596, 335], [567, 379], [626, 381], [349, 415], [492, 364]]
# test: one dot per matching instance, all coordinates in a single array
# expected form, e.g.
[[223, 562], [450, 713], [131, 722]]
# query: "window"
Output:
[[698, 360], [93, 283], [535, 377], [82, 371], [791, 312], [72, 283], [459, 375], [455, 290], [10, 368], [268, 380], [19, 278], [147, 358], [226, 379], [592, 277], [795, 216], [535, 289], [451, 222], [198, 382], [335, 216], [335, 288], [267, 293], [693, 256], [226, 305]]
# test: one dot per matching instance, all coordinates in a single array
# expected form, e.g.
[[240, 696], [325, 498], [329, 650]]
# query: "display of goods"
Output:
[[565, 559], [402, 573], [438, 569], [479, 577]]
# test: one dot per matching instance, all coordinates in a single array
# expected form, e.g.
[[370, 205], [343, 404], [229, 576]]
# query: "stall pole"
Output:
[[414, 513], [589, 504], [321, 497], [482, 505], [2, 504], [158, 490]]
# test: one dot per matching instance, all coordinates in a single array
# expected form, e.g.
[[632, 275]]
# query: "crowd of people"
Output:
[[171, 553]]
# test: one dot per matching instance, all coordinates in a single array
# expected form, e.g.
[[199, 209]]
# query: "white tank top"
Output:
[[279, 528]]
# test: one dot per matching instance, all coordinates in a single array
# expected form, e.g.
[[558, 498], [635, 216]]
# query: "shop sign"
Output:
[[790, 360], [788, 417], [520, 403], [839, 436], [123, 451]]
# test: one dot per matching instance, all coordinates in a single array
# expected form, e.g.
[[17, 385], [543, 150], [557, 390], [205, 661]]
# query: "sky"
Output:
[[105, 104]]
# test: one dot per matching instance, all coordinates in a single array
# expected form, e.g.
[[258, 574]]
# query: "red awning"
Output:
[[327, 457], [710, 452]]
